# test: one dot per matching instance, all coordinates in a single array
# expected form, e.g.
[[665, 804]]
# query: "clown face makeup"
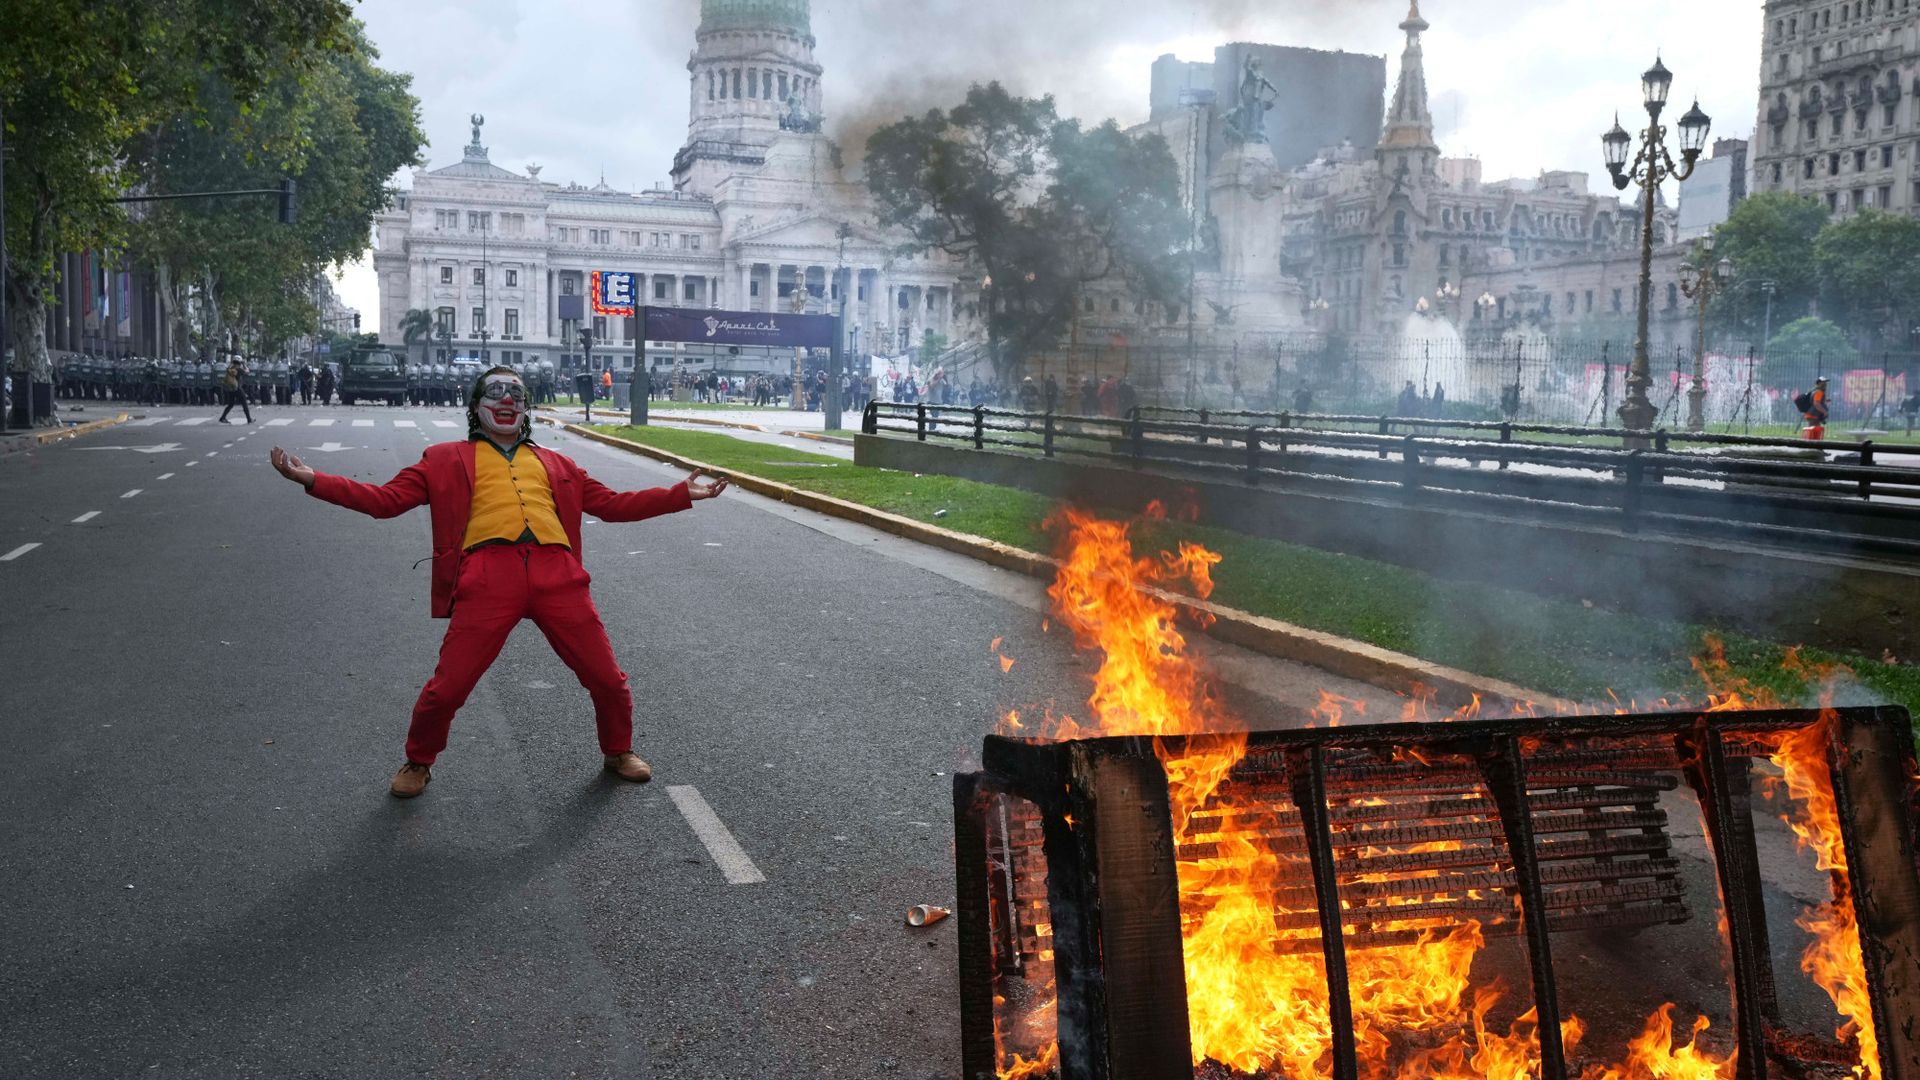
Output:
[[502, 409]]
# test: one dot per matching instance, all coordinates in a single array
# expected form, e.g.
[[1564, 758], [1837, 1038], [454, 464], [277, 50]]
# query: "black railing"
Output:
[[1779, 492]]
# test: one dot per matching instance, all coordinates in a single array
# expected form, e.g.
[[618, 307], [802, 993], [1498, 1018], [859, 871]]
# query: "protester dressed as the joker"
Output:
[[506, 546]]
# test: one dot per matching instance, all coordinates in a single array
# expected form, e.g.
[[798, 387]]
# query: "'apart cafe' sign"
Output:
[[740, 328]]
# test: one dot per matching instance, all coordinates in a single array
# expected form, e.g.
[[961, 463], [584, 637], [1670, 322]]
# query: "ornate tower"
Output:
[[1408, 139], [753, 75]]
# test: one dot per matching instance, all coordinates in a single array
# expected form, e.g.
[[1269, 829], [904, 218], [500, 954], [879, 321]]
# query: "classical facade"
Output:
[[1839, 112], [759, 217]]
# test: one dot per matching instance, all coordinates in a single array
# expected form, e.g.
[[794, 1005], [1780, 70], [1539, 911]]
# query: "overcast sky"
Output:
[[592, 89]]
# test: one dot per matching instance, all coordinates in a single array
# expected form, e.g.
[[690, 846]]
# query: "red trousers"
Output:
[[499, 585]]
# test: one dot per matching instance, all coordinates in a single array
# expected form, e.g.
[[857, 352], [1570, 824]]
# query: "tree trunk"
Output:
[[27, 311]]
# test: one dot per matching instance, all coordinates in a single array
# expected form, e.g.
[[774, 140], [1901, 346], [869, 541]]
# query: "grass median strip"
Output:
[[1558, 646]]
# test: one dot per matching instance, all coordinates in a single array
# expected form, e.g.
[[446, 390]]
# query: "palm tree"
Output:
[[415, 327]]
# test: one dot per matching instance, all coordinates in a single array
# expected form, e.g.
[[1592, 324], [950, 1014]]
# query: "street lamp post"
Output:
[[1648, 169], [1700, 283]]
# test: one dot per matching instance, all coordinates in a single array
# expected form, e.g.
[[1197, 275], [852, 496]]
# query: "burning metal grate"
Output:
[[1084, 872]]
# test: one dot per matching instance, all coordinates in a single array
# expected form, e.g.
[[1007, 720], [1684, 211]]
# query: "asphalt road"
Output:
[[206, 679]]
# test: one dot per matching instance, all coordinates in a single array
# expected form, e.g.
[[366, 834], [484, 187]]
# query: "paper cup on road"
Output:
[[925, 914]]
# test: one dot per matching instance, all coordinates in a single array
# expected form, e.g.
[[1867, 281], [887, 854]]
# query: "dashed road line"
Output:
[[132, 493], [164, 476], [191, 464], [213, 453], [323, 422], [19, 551], [734, 864], [86, 517], [191, 421]]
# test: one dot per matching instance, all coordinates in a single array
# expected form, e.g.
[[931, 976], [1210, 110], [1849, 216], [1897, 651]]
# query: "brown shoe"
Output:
[[411, 780], [630, 767]]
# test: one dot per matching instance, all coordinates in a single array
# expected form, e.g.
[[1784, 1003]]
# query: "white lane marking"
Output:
[[213, 453], [19, 551], [164, 476], [191, 464], [445, 423], [320, 423], [281, 421], [405, 423], [225, 446], [132, 493], [194, 420], [726, 851], [86, 517], [363, 423], [150, 421]]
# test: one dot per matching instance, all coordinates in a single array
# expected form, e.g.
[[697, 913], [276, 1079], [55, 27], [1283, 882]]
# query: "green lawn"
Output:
[[1555, 646]]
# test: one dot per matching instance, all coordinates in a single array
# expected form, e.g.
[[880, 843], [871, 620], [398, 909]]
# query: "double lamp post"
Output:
[[1649, 168]]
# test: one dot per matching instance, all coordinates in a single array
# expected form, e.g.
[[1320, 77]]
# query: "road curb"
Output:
[[1448, 687], [61, 434]]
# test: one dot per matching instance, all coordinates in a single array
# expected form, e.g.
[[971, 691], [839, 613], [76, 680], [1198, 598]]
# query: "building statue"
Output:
[[1247, 122], [797, 117], [477, 120]]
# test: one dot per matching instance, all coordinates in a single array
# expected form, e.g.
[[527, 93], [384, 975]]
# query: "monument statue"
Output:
[[477, 121], [1247, 122]]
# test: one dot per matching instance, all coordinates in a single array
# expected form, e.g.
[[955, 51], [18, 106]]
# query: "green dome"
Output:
[[756, 15]]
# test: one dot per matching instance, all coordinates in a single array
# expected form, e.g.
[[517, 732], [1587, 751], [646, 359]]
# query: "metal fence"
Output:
[[1775, 491], [1521, 377]]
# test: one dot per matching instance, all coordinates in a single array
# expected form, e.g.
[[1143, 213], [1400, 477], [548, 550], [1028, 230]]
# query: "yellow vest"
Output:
[[511, 497]]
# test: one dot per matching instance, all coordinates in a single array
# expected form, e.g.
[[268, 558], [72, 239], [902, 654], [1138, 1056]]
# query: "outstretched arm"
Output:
[[609, 505], [395, 497]]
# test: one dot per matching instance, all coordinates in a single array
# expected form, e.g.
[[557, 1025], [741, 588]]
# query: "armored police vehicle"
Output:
[[373, 373]]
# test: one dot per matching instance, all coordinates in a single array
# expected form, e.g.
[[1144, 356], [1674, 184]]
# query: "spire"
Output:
[[1409, 124]]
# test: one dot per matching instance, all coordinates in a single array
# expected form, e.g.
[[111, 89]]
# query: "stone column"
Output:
[[745, 299]]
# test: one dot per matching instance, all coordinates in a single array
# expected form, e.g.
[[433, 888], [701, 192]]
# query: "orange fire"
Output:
[[1257, 1000]]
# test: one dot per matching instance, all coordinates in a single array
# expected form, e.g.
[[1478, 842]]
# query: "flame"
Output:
[[1653, 1056], [1257, 998]]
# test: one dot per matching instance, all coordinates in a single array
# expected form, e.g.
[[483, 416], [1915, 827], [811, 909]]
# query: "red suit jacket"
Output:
[[443, 480]]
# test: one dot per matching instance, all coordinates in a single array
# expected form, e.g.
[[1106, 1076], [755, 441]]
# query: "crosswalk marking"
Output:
[[19, 551], [445, 423], [363, 423], [150, 421], [405, 423], [86, 517], [191, 421], [281, 421], [320, 423]]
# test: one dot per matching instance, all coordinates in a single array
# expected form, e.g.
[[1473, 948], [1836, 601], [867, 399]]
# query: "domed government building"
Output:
[[759, 209]]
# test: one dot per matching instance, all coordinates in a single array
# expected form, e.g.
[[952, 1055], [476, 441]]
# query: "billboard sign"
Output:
[[614, 292], [740, 327]]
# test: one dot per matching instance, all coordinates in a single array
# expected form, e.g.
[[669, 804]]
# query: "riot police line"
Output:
[[137, 380]]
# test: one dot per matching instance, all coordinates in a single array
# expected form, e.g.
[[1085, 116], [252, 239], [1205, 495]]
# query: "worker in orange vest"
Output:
[[606, 383], [1813, 407]]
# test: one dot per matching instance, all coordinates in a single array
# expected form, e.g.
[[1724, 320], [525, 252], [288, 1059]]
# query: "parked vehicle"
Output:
[[373, 373]]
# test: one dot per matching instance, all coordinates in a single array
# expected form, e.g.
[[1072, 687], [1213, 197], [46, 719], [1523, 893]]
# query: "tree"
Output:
[[1803, 344], [80, 81], [1039, 205], [340, 129], [1769, 237], [416, 326], [1869, 266]]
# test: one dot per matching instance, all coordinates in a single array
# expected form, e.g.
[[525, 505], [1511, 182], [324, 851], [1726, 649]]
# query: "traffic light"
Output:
[[356, 322], [286, 200]]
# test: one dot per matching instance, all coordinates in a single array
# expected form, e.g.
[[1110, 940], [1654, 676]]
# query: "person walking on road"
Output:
[[506, 547], [236, 391]]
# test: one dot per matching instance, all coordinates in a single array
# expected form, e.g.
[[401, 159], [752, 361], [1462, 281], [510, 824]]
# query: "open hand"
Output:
[[292, 468], [695, 489]]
